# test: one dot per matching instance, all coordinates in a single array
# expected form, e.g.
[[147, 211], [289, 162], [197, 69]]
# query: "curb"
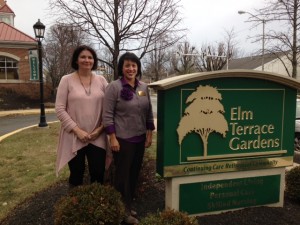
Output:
[[21, 129], [24, 112]]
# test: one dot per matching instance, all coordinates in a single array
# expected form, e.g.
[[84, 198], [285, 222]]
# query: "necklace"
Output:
[[88, 90]]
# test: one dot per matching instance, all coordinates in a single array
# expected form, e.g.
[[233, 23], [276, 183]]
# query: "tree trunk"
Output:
[[294, 48]]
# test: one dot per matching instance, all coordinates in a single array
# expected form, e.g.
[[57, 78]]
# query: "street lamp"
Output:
[[263, 36], [39, 30]]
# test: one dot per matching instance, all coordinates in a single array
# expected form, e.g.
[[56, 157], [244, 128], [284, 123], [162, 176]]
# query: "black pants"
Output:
[[128, 163], [96, 164]]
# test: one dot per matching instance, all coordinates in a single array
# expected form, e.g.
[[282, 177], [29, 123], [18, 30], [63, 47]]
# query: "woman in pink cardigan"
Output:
[[78, 106]]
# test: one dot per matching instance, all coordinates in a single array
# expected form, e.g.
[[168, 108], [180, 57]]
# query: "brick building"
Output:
[[15, 50]]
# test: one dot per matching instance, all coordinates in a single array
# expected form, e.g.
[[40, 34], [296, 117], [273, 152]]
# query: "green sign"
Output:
[[224, 123], [34, 74], [222, 195], [220, 122]]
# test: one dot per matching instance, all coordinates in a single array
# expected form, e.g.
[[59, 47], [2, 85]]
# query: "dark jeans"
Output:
[[96, 164], [128, 163]]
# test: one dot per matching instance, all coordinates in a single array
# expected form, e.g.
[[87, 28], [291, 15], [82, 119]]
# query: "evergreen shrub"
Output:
[[168, 217], [92, 204]]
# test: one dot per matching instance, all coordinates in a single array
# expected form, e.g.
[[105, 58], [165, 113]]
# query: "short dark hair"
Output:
[[77, 52], [132, 57]]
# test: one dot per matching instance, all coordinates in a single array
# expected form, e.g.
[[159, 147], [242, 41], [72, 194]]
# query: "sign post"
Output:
[[224, 139]]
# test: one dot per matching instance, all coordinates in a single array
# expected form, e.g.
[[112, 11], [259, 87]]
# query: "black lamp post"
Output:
[[39, 30]]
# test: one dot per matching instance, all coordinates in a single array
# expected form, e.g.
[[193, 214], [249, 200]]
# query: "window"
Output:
[[6, 19], [8, 68]]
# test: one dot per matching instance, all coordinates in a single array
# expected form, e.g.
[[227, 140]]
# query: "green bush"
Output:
[[292, 183], [168, 217], [93, 204]]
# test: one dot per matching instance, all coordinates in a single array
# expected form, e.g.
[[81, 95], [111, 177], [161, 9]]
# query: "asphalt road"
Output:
[[11, 123]]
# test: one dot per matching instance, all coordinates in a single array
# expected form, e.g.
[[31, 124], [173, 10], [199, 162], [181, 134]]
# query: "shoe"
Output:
[[131, 220], [133, 213]]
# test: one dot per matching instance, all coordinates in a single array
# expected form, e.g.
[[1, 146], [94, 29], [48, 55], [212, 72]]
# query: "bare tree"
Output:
[[120, 25], [211, 57], [156, 62], [106, 71], [184, 57], [215, 57], [60, 43], [232, 49], [285, 42]]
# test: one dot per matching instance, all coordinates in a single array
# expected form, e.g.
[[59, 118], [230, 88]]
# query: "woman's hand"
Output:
[[114, 143], [148, 141], [96, 133], [81, 134]]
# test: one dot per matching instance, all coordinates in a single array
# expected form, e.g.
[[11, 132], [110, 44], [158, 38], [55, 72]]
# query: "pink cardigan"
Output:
[[73, 107]]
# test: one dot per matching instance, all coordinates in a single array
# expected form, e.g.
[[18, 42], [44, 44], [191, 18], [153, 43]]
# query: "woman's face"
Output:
[[85, 60], [129, 70]]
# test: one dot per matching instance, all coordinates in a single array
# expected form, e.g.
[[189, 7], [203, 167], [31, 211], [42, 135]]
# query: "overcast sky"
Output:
[[206, 20]]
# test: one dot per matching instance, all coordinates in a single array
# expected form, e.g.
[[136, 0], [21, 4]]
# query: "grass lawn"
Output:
[[27, 164]]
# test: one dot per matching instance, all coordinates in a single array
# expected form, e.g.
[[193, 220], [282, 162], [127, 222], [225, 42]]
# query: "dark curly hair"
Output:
[[131, 57], [77, 52]]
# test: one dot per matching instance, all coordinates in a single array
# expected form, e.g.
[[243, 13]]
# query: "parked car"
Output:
[[297, 126]]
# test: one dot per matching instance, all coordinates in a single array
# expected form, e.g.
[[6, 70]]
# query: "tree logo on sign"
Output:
[[203, 115]]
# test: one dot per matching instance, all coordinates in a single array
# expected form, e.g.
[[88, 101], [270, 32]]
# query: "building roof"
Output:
[[11, 34], [251, 62], [2, 2], [6, 9]]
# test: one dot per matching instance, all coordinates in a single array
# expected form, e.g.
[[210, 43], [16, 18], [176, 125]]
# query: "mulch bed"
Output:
[[38, 210]]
